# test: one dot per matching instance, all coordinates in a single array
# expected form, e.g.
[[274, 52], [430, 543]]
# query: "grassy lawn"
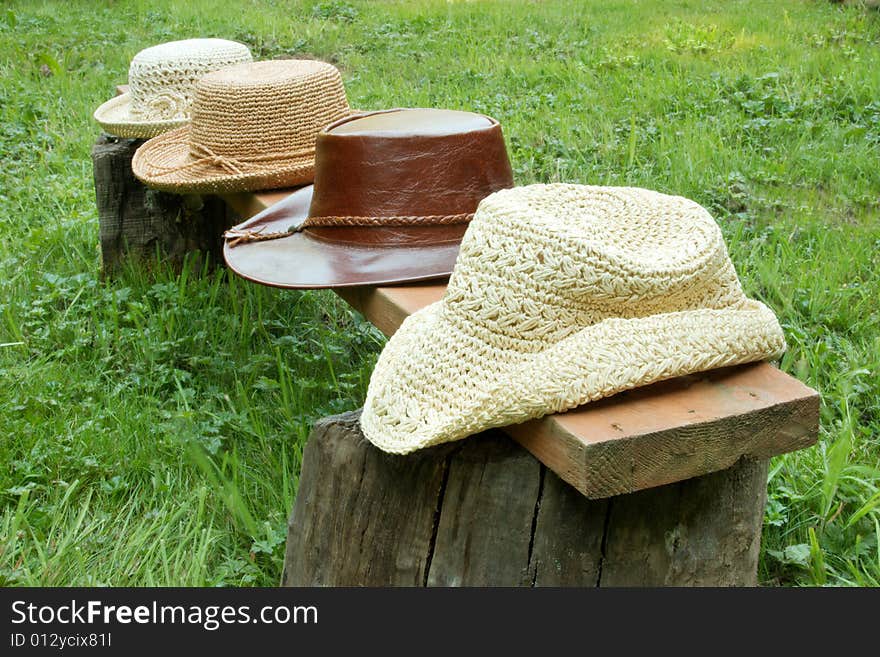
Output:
[[151, 426]]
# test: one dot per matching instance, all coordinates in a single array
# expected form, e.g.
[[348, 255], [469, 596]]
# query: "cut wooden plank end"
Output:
[[675, 429]]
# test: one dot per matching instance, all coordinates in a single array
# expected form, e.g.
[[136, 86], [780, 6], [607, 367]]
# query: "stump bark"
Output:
[[139, 223], [484, 512]]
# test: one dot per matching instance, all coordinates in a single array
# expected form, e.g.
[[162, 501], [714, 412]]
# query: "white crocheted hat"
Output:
[[563, 294], [161, 82]]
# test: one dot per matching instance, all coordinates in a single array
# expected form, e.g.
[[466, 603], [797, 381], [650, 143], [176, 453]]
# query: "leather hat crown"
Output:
[[410, 179]]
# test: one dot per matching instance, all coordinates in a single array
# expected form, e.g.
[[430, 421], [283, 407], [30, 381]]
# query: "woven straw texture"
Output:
[[561, 295], [162, 81], [253, 127]]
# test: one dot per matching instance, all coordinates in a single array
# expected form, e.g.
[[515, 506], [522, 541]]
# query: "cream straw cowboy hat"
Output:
[[563, 294], [161, 83], [253, 127]]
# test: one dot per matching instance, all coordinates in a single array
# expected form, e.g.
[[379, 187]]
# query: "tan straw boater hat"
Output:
[[253, 127], [563, 294], [161, 83]]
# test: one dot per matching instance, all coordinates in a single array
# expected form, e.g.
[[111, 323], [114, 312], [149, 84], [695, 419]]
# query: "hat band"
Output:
[[235, 165], [237, 237]]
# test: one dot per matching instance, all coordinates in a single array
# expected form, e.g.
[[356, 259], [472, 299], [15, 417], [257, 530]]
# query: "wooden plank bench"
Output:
[[664, 484]]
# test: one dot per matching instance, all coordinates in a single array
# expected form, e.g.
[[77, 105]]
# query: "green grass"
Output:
[[152, 425]]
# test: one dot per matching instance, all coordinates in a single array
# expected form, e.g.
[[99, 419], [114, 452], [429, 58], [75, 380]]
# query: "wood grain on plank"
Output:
[[387, 307], [675, 429], [650, 436]]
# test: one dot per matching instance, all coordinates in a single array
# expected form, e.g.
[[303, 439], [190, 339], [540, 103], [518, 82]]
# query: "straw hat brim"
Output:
[[304, 261], [423, 391], [115, 118], [165, 163]]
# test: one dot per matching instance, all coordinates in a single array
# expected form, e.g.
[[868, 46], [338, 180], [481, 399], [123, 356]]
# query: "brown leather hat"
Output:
[[393, 193]]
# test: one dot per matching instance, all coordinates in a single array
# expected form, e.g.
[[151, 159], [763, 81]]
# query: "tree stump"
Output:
[[485, 512], [137, 222]]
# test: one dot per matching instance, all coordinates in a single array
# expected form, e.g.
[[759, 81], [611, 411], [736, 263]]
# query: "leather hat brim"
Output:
[[304, 261]]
